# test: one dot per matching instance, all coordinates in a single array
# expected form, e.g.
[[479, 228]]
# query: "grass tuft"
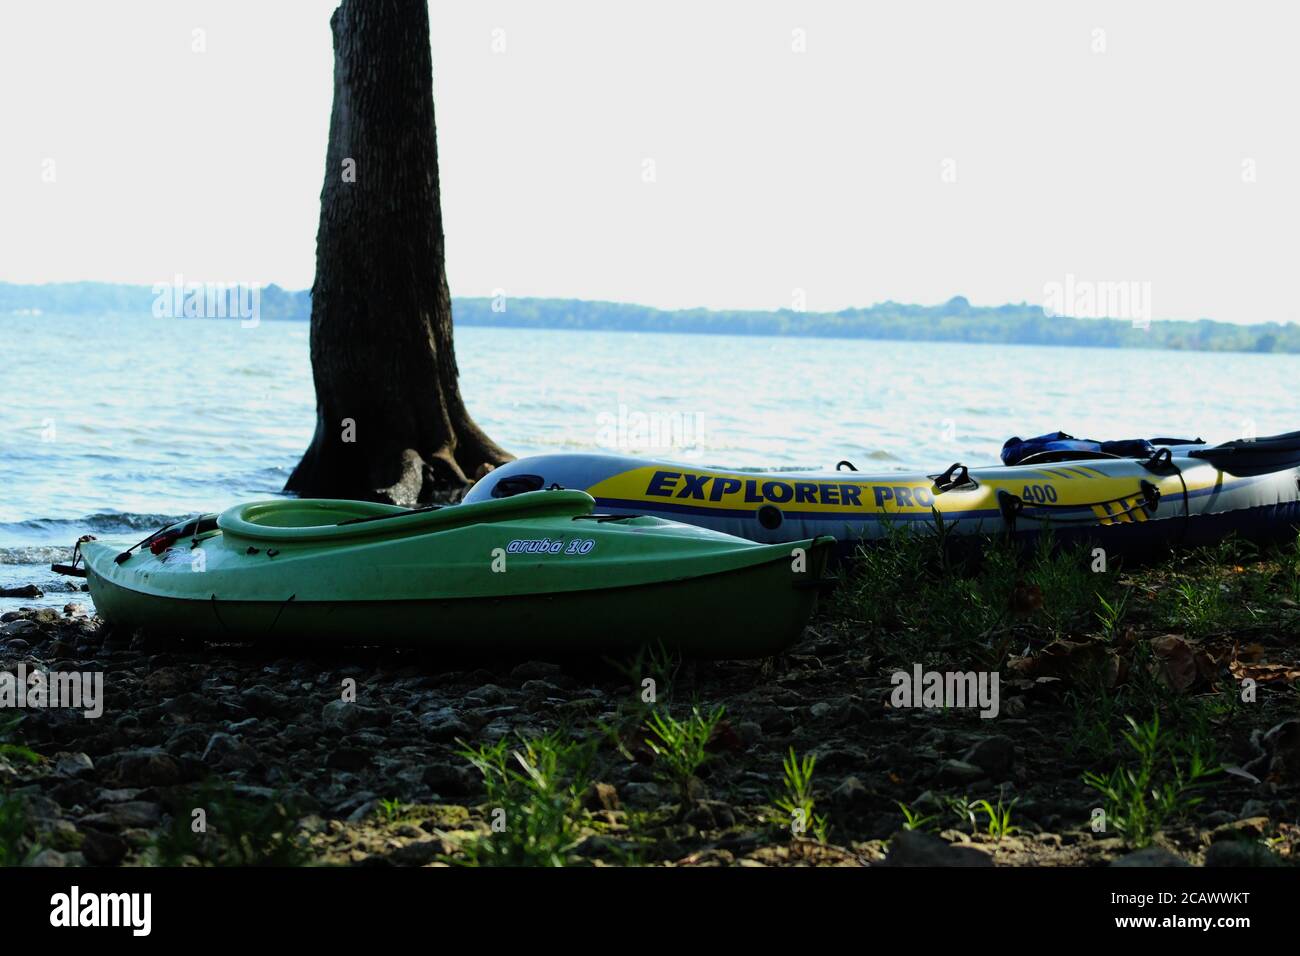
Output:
[[797, 806], [1160, 785], [535, 788], [680, 747]]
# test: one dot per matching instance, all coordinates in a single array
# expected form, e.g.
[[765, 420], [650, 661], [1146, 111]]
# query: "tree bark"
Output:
[[390, 423]]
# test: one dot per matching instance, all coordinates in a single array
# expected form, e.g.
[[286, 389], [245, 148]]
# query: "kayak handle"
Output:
[[956, 478], [71, 570]]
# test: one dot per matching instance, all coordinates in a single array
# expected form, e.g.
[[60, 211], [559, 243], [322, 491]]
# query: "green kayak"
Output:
[[522, 575]]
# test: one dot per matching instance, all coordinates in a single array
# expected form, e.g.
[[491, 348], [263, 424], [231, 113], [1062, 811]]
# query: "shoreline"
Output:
[[383, 777]]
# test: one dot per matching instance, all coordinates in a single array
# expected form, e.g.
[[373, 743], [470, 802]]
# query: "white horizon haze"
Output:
[[746, 155]]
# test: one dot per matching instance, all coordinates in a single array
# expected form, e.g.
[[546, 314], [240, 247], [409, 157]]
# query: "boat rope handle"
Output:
[[71, 570], [1162, 463], [1013, 506], [841, 465], [956, 478]]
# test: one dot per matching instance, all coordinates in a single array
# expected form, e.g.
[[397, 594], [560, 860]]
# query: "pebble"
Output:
[[850, 793], [959, 771], [144, 768], [916, 848], [25, 591], [130, 813], [1246, 828], [102, 849], [995, 755], [346, 716], [645, 795], [419, 853], [443, 724], [1240, 853], [488, 694], [602, 796], [73, 764], [229, 752]]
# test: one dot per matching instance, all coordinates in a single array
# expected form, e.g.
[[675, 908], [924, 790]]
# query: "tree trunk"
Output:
[[390, 423]]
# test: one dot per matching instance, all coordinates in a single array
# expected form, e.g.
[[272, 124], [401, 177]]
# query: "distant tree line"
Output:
[[953, 321]]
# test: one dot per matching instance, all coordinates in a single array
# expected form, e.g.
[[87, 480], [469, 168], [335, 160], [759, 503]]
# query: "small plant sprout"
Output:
[[390, 810], [1111, 614], [999, 818], [797, 806], [915, 819], [963, 810], [680, 746]]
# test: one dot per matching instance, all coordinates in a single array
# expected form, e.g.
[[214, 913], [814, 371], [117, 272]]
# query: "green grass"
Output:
[[1110, 614], [925, 597], [997, 819], [680, 746], [235, 831], [1202, 608], [917, 820], [796, 808], [961, 808], [1289, 570], [391, 811], [13, 827], [655, 663], [535, 787], [1069, 587], [1160, 784], [11, 750], [1095, 710]]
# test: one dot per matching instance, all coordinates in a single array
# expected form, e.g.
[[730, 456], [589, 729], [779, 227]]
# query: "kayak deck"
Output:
[[533, 572]]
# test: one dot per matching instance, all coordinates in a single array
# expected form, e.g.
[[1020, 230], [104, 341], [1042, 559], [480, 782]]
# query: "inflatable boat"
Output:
[[1131, 496], [535, 573]]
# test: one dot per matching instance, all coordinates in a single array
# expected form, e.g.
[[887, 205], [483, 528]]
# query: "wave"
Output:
[[35, 554], [108, 522], [50, 540]]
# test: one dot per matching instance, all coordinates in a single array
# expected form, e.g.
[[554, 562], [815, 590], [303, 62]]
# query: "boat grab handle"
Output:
[[71, 570], [956, 478]]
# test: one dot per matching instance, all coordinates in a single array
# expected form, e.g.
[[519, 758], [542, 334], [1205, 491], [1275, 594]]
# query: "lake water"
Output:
[[114, 426]]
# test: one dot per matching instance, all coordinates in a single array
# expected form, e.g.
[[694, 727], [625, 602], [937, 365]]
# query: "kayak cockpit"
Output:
[[287, 520]]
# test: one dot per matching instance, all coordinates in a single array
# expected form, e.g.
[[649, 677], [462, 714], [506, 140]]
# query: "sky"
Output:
[[728, 154]]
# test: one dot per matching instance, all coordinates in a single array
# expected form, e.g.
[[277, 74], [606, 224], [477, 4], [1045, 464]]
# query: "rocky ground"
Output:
[[358, 757]]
